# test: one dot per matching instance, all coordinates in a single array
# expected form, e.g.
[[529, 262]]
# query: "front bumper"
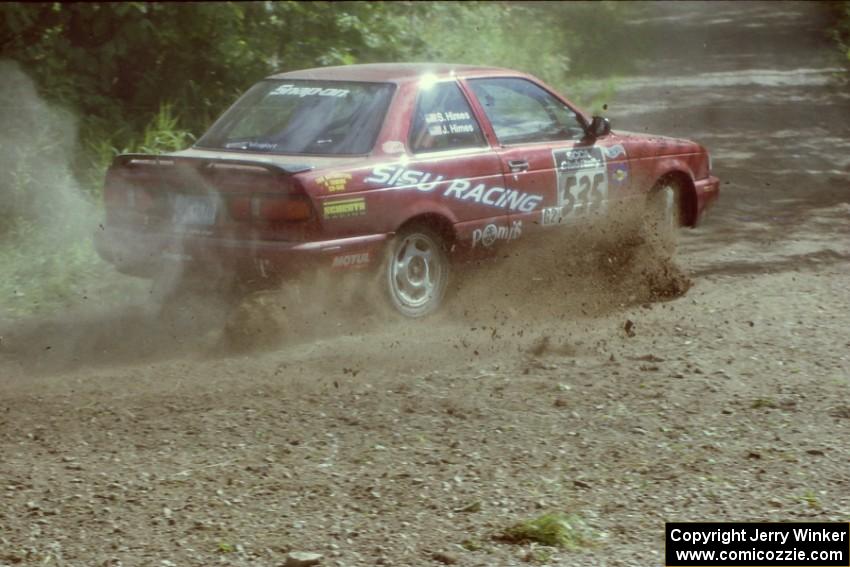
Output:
[[143, 254], [707, 191]]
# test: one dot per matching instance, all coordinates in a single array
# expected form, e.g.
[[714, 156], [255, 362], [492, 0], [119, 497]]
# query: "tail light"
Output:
[[271, 208], [276, 208]]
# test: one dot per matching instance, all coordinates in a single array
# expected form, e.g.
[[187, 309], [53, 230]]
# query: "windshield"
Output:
[[303, 117]]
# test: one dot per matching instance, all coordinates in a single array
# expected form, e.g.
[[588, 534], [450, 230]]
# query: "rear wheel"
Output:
[[417, 271]]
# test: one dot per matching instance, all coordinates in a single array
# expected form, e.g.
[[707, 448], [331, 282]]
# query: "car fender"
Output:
[[678, 168], [419, 209]]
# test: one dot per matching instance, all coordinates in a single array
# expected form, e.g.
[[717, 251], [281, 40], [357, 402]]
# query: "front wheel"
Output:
[[417, 271], [661, 218]]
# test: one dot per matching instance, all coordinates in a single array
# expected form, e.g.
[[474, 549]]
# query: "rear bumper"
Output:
[[143, 254], [707, 191]]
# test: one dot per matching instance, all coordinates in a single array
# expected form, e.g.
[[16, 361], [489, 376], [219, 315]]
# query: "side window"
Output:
[[522, 112], [444, 121]]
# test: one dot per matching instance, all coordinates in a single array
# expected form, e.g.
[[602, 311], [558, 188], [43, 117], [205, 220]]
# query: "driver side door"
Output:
[[554, 174]]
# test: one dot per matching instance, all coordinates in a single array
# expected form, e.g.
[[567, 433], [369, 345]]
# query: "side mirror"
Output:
[[599, 127]]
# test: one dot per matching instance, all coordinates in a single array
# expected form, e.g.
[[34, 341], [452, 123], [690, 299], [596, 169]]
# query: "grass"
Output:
[[44, 274], [224, 547], [539, 555], [760, 403], [554, 529], [811, 499], [472, 544]]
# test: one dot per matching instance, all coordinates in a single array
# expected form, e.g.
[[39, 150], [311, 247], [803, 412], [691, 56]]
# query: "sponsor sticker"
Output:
[[399, 176], [342, 208], [393, 147], [488, 235], [292, 90], [459, 189], [619, 172], [334, 182], [615, 151], [464, 190], [351, 260]]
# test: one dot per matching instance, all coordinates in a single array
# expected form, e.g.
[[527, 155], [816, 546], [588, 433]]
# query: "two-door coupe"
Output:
[[402, 168]]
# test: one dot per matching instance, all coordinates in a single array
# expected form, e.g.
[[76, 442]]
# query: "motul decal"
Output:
[[351, 260]]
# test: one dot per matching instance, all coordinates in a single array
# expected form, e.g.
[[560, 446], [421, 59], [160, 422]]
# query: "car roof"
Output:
[[393, 72]]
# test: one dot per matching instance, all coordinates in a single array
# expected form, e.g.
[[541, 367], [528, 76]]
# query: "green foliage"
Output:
[[559, 40], [555, 530], [120, 62], [117, 64], [224, 547], [810, 498], [163, 134]]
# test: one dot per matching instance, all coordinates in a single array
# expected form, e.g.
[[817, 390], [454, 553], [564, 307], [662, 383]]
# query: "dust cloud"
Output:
[[47, 221], [37, 145]]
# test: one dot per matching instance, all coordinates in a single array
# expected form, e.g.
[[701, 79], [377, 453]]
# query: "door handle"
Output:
[[518, 165]]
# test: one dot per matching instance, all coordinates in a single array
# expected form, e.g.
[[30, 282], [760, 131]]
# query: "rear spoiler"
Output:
[[128, 160]]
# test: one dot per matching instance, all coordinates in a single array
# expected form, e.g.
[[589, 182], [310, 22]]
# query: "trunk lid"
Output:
[[210, 195]]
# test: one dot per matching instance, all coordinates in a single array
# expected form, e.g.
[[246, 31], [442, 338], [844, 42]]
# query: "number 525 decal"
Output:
[[582, 185]]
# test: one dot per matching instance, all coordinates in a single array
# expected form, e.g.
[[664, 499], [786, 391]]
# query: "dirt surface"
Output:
[[130, 438]]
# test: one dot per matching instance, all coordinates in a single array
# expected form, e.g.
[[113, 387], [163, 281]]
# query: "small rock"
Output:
[[629, 327], [444, 558], [302, 559], [649, 358]]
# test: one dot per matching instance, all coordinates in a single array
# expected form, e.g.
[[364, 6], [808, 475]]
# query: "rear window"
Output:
[[303, 117]]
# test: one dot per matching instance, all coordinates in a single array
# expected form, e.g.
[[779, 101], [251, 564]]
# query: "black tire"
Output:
[[662, 218], [416, 271]]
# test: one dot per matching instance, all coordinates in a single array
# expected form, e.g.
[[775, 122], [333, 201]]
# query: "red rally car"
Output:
[[402, 168]]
